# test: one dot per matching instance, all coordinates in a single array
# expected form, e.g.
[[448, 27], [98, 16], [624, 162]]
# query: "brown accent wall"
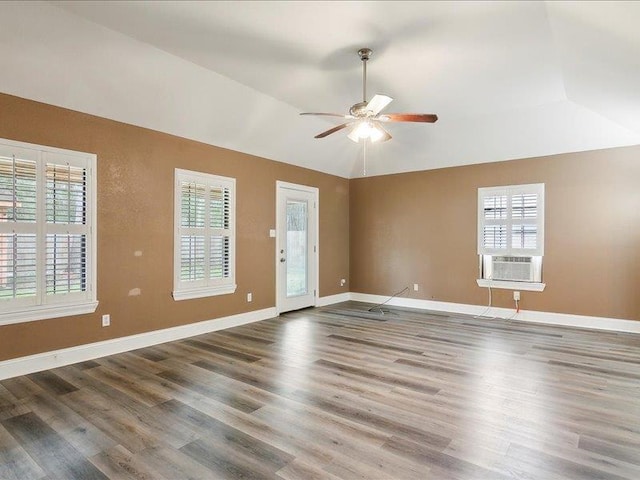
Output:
[[135, 212], [420, 228]]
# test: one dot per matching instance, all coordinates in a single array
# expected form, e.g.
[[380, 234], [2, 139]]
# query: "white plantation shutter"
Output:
[[192, 258], [192, 230], [511, 220], [47, 254], [67, 228], [66, 259], [205, 231], [220, 219], [18, 228], [18, 269]]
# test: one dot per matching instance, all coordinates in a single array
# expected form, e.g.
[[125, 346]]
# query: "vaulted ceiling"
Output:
[[507, 79]]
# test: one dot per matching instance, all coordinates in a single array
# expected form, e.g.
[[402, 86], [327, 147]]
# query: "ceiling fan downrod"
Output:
[[364, 53], [359, 108]]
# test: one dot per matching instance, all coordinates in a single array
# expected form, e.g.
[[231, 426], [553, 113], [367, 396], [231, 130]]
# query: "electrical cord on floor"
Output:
[[483, 314], [380, 305]]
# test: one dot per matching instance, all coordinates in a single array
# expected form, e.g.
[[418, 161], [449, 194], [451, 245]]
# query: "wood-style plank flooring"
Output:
[[337, 393]]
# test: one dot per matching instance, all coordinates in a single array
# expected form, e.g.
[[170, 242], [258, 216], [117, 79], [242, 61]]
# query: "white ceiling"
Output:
[[507, 79]]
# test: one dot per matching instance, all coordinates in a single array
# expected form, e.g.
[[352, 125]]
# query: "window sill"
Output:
[[203, 292], [43, 312], [506, 285]]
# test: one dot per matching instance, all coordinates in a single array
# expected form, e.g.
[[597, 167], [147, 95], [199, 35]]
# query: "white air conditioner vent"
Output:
[[517, 269]]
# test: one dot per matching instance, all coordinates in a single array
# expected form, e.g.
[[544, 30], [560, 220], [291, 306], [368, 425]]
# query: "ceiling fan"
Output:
[[365, 118]]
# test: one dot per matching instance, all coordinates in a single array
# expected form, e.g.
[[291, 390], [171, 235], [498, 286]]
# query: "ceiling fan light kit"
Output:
[[364, 117], [365, 130]]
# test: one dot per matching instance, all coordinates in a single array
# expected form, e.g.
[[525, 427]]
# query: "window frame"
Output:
[[536, 254], [510, 191], [208, 287], [43, 307]]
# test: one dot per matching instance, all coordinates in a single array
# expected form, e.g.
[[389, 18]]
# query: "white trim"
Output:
[[331, 299], [506, 285], [188, 294], [42, 312], [561, 319], [296, 186], [82, 353]]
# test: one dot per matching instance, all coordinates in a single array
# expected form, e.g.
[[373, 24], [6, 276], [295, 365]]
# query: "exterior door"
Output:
[[296, 246]]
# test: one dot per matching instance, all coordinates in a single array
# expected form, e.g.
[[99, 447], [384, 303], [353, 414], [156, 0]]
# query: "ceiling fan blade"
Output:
[[378, 103], [326, 114], [408, 117], [332, 130]]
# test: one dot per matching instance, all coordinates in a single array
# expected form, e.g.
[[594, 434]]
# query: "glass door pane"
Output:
[[296, 248]]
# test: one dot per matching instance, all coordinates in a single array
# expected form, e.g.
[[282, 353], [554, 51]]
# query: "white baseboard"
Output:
[[331, 299], [58, 358], [562, 319], [81, 353]]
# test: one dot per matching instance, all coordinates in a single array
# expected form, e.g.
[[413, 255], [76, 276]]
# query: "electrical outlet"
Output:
[[106, 320], [249, 297], [343, 282], [516, 295], [415, 287]]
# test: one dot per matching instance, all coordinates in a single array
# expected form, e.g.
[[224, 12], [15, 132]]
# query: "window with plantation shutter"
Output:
[[511, 220], [204, 235], [511, 235], [47, 236]]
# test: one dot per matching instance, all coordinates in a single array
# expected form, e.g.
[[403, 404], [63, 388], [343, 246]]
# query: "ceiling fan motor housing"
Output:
[[359, 109]]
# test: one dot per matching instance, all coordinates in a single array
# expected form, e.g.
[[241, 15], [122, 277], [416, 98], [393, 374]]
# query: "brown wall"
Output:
[[400, 229], [421, 228], [135, 212]]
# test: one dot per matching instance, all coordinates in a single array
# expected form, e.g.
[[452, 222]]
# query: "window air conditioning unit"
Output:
[[517, 269]]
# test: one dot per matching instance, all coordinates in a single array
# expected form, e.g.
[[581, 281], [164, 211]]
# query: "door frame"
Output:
[[315, 191]]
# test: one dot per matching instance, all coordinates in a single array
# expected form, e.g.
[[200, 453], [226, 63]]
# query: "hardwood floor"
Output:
[[337, 392]]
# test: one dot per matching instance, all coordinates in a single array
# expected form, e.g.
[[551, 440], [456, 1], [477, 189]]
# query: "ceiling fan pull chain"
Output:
[[364, 158]]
